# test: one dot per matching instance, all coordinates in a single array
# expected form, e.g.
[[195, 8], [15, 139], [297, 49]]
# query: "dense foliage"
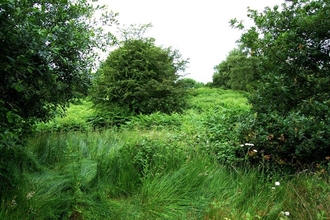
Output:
[[140, 77], [158, 163], [290, 121], [239, 71], [189, 83], [187, 165], [47, 52]]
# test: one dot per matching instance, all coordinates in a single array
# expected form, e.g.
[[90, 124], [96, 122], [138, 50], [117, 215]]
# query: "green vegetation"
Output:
[[159, 166], [189, 83], [147, 144], [52, 43], [240, 71], [47, 53], [74, 118], [139, 78], [289, 121]]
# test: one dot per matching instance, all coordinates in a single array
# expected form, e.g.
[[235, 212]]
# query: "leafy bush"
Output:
[[222, 134], [289, 122], [141, 78], [293, 141], [45, 65]]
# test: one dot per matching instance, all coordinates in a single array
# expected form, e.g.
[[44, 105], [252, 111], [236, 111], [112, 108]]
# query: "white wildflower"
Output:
[[254, 150], [30, 195], [285, 213], [277, 183], [248, 144], [13, 203]]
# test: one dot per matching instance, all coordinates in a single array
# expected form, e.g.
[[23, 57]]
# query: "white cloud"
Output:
[[198, 29]]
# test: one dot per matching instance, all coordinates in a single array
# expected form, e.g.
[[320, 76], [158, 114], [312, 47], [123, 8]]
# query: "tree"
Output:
[[221, 75], [141, 78], [47, 53], [291, 106], [189, 83], [239, 71]]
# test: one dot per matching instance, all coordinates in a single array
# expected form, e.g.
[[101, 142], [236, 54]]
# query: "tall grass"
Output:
[[154, 172], [74, 118]]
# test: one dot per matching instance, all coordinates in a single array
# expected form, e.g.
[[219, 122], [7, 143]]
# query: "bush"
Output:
[[293, 141], [289, 122], [140, 78]]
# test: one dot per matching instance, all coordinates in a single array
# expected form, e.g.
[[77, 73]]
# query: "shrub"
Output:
[[293, 141], [140, 78], [289, 121]]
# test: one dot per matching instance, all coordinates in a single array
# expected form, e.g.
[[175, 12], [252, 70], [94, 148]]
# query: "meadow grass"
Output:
[[74, 118], [158, 167]]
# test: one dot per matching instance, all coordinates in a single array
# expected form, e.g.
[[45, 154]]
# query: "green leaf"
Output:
[[18, 87], [9, 116], [11, 59]]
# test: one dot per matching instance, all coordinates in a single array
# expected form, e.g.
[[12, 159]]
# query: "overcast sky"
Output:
[[198, 29]]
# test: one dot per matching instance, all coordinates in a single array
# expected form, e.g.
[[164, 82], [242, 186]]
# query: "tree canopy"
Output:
[[47, 52], [239, 71], [189, 83], [290, 120]]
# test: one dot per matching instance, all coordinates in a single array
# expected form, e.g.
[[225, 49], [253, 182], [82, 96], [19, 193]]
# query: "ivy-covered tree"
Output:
[[239, 71], [290, 121], [140, 78], [47, 52]]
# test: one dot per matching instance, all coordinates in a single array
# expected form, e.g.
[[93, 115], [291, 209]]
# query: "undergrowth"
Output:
[[180, 166]]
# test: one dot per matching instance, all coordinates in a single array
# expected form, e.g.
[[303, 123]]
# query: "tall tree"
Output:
[[239, 71], [291, 106], [47, 53]]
